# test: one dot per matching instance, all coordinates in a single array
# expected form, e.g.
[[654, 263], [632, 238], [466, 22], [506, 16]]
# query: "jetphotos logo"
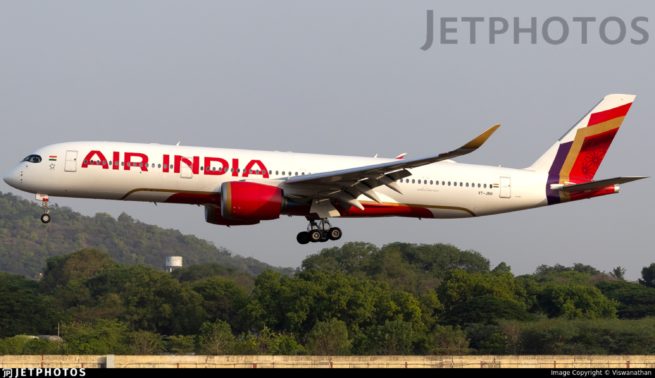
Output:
[[42, 372], [555, 30]]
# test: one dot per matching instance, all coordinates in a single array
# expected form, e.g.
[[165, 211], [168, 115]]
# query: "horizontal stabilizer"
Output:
[[593, 185]]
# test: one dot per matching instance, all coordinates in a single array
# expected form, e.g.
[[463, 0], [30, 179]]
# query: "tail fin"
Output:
[[576, 156]]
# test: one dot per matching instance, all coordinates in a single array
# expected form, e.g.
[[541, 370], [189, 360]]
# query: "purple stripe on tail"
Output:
[[553, 173]]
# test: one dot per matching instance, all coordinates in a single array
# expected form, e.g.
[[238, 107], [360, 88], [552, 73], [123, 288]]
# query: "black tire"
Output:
[[45, 218], [325, 236], [315, 236], [303, 237], [335, 233]]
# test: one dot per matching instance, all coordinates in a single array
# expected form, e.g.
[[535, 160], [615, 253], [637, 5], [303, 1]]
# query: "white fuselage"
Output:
[[165, 173]]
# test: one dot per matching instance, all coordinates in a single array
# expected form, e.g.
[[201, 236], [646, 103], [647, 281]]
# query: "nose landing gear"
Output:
[[319, 232], [45, 217]]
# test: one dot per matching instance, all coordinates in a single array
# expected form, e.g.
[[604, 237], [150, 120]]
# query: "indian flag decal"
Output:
[[53, 157]]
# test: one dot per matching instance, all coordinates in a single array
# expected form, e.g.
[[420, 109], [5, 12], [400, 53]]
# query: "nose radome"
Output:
[[11, 178]]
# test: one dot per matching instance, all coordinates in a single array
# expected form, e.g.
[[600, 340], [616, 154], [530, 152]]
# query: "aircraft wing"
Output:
[[347, 184]]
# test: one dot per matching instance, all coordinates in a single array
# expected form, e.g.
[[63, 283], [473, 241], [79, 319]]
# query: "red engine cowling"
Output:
[[213, 215], [249, 201]]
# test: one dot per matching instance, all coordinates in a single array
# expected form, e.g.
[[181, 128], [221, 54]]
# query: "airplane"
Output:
[[245, 187]]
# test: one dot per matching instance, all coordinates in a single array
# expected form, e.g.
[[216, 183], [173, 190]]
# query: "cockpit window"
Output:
[[33, 159]]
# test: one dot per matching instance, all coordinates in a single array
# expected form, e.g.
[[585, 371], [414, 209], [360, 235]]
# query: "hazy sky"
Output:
[[338, 77]]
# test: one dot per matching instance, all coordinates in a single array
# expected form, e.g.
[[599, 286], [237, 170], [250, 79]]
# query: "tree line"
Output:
[[26, 244], [356, 299]]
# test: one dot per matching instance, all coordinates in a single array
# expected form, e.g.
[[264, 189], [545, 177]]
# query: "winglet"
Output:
[[478, 141]]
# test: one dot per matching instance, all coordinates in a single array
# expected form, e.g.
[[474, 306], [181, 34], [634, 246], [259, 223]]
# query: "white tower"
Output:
[[173, 262]]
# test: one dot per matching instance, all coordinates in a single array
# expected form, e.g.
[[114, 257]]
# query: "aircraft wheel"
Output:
[[335, 233], [315, 236], [303, 237], [45, 218]]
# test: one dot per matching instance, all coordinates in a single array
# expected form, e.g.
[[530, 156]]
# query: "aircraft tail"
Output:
[[575, 157]]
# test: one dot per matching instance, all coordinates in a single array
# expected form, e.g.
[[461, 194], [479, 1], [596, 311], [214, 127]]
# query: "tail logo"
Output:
[[581, 152]]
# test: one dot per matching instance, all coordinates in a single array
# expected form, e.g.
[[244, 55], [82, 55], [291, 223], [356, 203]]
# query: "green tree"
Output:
[[144, 342], [393, 337], [618, 273], [23, 310], [576, 301], [78, 266], [634, 300], [216, 338], [279, 343], [447, 340], [222, 299], [502, 268], [481, 297], [487, 338], [350, 258], [152, 300], [180, 344], [100, 337], [329, 338], [648, 276], [22, 344]]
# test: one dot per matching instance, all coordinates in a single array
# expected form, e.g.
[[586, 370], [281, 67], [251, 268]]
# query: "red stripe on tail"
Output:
[[606, 115]]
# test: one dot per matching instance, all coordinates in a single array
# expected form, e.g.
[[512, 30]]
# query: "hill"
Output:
[[26, 244]]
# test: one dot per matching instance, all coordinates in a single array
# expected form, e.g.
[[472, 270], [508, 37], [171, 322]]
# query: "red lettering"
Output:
[[89, 159], [235, 167], [220, 170], [143, 163], [194, 165], [261, 171], [115, 162], [213, 166], [167, 162]]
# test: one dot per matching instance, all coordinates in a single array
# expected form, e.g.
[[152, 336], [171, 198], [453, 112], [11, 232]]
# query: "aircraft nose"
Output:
[[11, 178]]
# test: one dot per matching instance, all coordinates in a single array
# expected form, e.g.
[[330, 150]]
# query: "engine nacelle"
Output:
[[213, 216], [250, 202]]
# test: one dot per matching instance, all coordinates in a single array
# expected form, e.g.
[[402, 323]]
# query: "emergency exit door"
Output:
[[71, 161], [505, 187]]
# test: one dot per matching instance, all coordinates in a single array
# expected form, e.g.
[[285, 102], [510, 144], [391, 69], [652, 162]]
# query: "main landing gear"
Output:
[[319, 232], [45, 217]]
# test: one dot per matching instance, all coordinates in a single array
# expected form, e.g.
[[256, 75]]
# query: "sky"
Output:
[[340, 77]]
